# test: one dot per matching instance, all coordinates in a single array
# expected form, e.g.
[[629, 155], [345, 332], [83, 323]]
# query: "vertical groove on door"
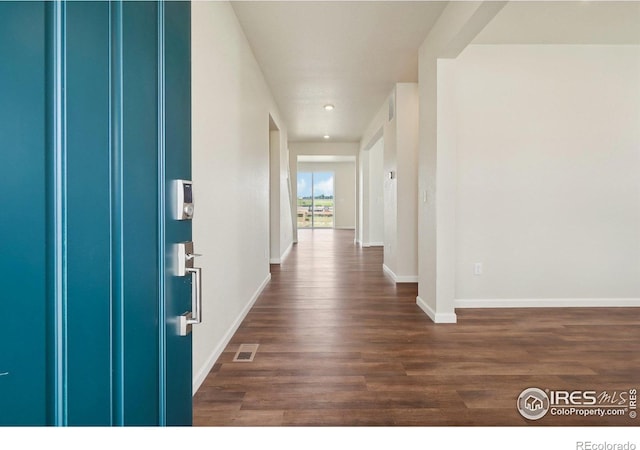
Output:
[[57, 225], [117, 251], [162, 266]]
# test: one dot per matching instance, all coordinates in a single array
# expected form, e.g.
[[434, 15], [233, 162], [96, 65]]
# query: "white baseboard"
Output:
[[547, 303], [201, 374], [375, 244], [283, 256], [344, 228], [389, 272], [399, 278], [406, 278], [286, 252], [436, 317]]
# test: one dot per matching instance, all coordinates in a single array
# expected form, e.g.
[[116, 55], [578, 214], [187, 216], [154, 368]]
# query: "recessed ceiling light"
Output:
[[329, 107], [326, 136]]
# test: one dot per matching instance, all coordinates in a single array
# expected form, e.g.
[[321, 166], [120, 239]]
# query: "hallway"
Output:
[[342, 345]]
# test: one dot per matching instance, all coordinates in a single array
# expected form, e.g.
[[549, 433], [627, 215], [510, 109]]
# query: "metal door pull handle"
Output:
[[194, 317], [196, 294]]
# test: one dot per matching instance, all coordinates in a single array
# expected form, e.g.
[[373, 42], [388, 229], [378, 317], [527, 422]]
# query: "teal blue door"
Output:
[[177, 368], [23, 284], [94, 128]]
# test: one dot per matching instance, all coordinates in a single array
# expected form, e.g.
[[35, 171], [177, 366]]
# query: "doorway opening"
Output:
[[324, 193], [274, 192], [316, 200]]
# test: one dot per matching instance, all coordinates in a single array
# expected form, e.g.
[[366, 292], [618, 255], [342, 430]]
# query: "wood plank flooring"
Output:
[[342, 345]]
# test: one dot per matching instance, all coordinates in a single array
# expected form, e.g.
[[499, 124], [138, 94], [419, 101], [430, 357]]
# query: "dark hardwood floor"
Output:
[[342, 345]]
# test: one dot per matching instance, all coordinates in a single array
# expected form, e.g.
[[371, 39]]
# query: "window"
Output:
[[315, 200]]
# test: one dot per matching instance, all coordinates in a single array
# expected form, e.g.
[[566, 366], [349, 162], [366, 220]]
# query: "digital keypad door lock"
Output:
[[184, 200]]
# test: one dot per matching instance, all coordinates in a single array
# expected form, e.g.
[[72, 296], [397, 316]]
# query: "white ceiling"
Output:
[[577, 22], [350, 54]]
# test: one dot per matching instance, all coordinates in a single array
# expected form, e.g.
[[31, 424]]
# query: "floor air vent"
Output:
[[246, 352]]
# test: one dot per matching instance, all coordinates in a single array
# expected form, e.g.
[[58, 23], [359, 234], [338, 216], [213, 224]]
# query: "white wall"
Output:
[[548, 174], [231, 104], [376, 194], [344, 182], [274, 194], [407, 181], [400, 194], [390, 163], [362, 226], [280, 223], [456, 27], [287, 219]]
